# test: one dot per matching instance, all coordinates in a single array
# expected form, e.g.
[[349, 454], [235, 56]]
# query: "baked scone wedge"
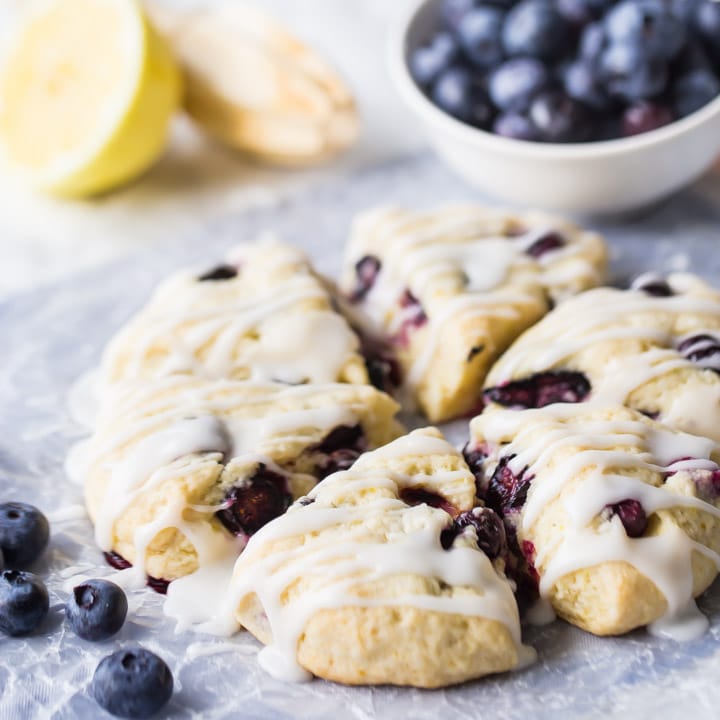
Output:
[[439, 295], [654, 348], [264, 315], [181, 470], [615, 515], [376, 577]]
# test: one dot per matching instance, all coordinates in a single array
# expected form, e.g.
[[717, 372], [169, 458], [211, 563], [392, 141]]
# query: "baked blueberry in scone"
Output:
[[654, 348], [386, 573], [612, 516], [439, 295], [264, 315], [180, 471]]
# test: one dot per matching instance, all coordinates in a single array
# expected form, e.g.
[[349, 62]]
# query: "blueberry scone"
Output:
[[439, 295], [265, 316], [614, 516], [378, 576], [181, 471], [654, 348]]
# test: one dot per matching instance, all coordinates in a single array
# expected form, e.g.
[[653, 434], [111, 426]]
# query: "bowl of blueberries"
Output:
[[582, 106]]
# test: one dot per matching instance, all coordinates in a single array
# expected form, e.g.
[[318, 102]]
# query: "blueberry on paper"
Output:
[[24, 602], [24, 534], [96, 610], [132, 683]]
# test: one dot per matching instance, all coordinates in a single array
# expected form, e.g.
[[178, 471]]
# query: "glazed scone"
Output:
[[438, 295], [376, 577], [654, 348], [615, 515], [181, 470], [265, 316]]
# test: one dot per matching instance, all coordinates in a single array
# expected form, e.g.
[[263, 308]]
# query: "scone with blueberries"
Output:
[[180, 471], [654, 348], [264, 315], [386, 573], [612, 516], [438, 295]]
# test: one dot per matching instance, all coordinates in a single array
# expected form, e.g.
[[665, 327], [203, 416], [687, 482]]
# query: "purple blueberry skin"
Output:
[[535, 28], [582, 83], [428, 61], [96, 610], [24, 534], [452, 11], [459, 94], [643, 117], [24, 602], [630, 74], [262, 498], [159, 585], [513, 85], [540, 390], [647, 23], [560, 119], [707, 23], [546, 243], [695, 90], [632, 515], [366, 271], [655, 285], [507, 491], [479, 33], [515, 127], [221, 272], [132, 683], [488, 527]]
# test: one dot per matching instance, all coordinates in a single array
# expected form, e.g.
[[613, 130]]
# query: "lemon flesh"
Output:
[[86, 96]]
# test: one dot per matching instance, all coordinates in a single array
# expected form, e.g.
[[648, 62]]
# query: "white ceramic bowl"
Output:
[[588, 178]]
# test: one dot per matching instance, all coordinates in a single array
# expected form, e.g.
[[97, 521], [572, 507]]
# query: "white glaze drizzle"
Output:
[[607, 452], [340, 550], [425, 253], [284, 331], [600, 316], [175, 425]]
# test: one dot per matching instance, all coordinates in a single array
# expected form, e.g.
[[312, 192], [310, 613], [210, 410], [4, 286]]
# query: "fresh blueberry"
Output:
[[537, 29], [24, 534], [24, 602], [479, 33], [221, 272], [695, 90], [515, 126], [685, 10], [132, 683], [592, 42], [560, 119], [630, 74], [255, 502], [645, 116], [581, 12], [541, 389], [514, 84], [707, 22], [582, 83], [96, 610], [428, 61], [647, 23], [458, 93], [453, 11]]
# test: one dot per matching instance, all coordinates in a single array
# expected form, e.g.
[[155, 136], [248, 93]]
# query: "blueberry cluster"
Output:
[[130, 683], [571, 70]]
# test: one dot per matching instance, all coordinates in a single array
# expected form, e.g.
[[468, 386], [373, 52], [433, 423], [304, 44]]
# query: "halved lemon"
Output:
[[86, 96]]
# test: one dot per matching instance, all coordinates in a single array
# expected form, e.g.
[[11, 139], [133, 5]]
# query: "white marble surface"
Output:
[[42, 239]]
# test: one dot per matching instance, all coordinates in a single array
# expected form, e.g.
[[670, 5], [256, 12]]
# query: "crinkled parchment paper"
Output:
[[50, 336]]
